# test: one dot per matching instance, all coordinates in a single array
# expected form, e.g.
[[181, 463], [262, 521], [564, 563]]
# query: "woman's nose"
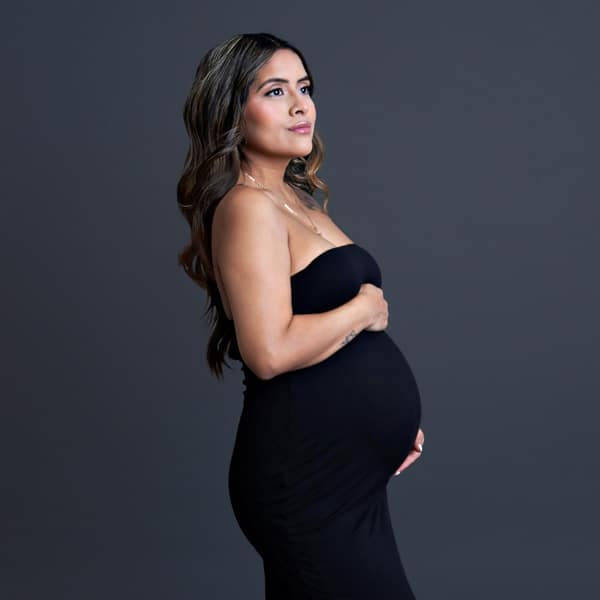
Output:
[[300, 102]]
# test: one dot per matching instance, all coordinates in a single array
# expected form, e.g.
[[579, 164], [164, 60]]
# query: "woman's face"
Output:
[[275, 106]]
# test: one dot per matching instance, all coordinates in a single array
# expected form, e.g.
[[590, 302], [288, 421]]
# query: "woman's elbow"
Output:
[[264, 363]]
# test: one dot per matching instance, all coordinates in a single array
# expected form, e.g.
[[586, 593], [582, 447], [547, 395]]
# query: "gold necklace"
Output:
[[314, 227]]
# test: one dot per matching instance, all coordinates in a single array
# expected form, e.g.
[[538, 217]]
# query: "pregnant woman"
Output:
[[331, 409]]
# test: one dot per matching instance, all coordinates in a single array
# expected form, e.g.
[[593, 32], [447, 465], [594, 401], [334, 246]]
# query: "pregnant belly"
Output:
[[366, 393]]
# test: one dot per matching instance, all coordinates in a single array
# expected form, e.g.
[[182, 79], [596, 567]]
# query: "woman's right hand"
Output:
[[376, 305]]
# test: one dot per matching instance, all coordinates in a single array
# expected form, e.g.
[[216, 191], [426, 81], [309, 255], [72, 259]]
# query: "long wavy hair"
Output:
[[213, 115]]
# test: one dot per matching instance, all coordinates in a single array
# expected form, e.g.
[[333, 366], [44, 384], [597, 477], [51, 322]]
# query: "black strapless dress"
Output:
[[316, 447]]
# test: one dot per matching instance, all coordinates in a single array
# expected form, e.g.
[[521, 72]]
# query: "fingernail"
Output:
[[420, 446]]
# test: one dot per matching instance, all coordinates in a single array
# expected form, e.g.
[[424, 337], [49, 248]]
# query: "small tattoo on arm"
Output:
[[351, 335]]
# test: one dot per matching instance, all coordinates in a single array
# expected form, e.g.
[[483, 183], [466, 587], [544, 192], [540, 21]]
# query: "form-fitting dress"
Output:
[[316, 447]]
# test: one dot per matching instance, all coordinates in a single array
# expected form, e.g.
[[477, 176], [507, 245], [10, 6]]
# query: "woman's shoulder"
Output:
[[246, 207], [245, 201]]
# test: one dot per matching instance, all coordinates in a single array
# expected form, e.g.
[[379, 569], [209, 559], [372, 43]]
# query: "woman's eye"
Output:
[[308, 87]]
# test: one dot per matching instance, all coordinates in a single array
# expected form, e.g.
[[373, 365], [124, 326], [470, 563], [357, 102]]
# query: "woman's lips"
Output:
[[301, 129]]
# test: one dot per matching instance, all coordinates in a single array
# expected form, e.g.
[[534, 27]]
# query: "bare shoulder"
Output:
[[245, 202], [247, 220], [251, 207]]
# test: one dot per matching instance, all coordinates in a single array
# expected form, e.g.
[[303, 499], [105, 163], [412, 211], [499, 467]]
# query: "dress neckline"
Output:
[[319, 256]]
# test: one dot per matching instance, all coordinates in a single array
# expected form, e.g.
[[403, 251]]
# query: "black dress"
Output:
[[316, 447]]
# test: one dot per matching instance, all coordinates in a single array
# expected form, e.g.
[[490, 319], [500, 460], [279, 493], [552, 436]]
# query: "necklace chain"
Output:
[[314, 227]]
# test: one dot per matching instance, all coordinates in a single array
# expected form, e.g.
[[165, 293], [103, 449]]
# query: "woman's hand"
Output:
[[414, 453], [377, 306]]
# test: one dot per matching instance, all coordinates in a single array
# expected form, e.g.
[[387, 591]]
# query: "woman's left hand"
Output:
[[416, 451]]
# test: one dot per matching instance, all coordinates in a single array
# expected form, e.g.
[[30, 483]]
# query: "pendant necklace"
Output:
[[314, 227]]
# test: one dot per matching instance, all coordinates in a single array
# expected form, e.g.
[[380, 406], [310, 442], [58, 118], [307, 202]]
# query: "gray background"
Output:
[[461, 150]]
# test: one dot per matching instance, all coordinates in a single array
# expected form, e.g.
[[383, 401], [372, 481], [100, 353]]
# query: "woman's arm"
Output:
[[311, 338], [250, 241]]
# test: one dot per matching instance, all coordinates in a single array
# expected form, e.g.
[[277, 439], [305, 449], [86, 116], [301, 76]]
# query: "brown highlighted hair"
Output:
[[213, 114]]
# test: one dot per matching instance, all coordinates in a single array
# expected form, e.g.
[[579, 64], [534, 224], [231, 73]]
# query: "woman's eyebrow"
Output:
[[280, 80]]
